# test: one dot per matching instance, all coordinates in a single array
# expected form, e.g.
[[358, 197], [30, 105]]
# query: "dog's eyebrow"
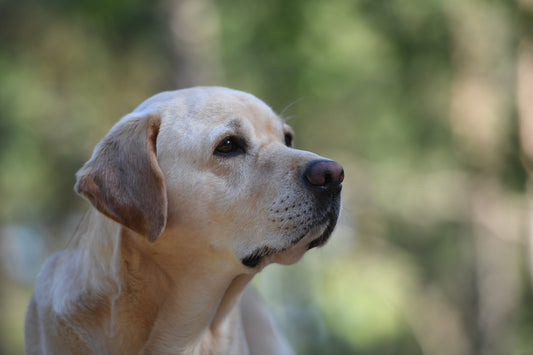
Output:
[[234, 123], [232, 126]]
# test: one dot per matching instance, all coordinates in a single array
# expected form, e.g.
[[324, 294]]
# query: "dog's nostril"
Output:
[[324, 174], [316, 179], [327, 179]]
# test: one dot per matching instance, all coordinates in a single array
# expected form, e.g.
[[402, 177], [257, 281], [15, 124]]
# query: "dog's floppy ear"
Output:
[[123, 179]]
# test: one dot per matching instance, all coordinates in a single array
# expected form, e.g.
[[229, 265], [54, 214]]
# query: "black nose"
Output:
[[324, 174]]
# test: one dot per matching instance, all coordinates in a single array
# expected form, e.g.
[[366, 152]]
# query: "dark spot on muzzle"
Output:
[[257, 255]]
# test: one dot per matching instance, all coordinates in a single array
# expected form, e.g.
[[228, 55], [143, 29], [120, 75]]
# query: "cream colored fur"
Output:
[[156, 265]]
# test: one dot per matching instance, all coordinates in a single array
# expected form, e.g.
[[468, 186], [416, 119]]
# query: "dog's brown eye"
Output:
[[288, 139], [229, 146]]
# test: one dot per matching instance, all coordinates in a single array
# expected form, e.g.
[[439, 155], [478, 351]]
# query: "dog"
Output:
[[191, 195]]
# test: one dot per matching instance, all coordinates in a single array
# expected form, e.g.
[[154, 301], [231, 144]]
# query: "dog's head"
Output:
[[216, 164]]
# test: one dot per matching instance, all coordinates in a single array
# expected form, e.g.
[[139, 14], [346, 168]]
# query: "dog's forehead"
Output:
[[214, 106], [242, 114]]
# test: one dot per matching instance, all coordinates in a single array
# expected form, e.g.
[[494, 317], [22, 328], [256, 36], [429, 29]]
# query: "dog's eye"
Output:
[[230, 146], [288, 139]]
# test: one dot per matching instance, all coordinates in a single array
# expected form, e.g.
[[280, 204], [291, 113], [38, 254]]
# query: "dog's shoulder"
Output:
[[64, 289], [45, 282], [52, 309]]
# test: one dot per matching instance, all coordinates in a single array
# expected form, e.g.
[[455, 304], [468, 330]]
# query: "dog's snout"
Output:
[[324, 174]]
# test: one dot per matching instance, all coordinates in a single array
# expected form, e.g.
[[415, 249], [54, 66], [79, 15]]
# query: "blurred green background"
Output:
[[428, 104]]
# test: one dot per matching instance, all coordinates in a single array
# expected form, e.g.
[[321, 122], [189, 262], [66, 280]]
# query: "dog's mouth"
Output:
[[330, 222], [305, 241]]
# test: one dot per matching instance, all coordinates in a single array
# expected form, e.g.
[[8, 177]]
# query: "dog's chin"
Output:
[[315, 238], [296, 248], [294, 253]]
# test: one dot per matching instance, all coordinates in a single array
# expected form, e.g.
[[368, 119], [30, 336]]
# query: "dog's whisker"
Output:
[[285, 119]]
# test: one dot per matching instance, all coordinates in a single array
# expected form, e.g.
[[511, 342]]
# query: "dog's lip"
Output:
[[331, 221], [323, 227]]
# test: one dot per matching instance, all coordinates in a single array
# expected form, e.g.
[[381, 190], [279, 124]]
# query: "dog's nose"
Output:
[[324, 174]]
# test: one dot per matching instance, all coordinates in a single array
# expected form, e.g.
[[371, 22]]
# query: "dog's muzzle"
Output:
[[323, 181]]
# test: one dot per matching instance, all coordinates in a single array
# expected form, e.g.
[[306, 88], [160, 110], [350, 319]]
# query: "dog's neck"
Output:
[[187, 295], [206, 285], [197, 318]]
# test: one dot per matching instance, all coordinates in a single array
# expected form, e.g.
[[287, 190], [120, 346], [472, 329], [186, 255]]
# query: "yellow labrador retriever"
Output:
[[192, 194]]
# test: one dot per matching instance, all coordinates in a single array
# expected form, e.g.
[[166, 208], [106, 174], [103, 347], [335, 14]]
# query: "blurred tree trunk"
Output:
[[194, 29], [525, 113], [481, 103]]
